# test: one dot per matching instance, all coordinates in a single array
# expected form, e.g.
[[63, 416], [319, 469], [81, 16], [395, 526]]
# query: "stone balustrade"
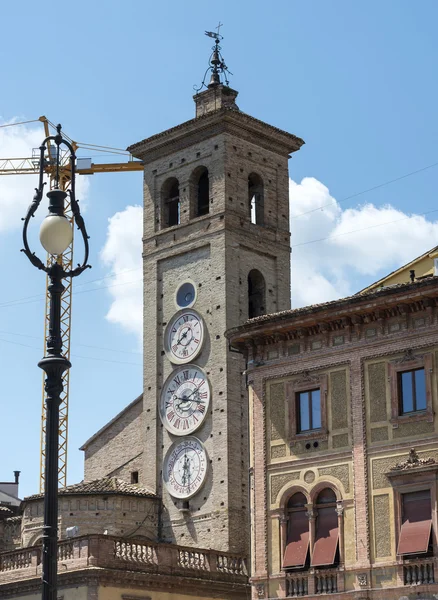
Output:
[[297, 585], [419, 572], [326, 582], [314, 583], [125, 554]]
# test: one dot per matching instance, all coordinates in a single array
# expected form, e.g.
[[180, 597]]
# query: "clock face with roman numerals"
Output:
[[185, 468], [184, 336], [185, 399]]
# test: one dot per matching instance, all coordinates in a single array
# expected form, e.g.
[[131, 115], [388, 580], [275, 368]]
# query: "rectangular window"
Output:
[[309, 410], [416, 523], [412, 391]]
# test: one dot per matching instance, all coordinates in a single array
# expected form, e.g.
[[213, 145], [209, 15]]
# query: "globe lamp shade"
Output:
[[56, 234]]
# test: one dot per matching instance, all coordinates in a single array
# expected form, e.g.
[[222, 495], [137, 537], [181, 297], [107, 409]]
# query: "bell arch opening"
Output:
[[256, 294], [256, 200], [170, 203]]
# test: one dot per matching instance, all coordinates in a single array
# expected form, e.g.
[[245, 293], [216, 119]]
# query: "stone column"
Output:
[[311, 514], [283, 521], [340, 513]]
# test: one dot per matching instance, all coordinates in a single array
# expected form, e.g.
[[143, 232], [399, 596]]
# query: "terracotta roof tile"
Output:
[[106, 485], [349, 301]]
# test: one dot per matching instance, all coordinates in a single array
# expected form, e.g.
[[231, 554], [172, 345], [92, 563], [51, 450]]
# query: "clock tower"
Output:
[[216, 251]]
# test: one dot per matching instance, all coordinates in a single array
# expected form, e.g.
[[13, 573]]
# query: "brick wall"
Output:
[[118, 449]]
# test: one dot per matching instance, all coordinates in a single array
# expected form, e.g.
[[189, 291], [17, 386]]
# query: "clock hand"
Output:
[[184, 335]]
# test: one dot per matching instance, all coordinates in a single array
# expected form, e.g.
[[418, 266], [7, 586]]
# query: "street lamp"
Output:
[[56, 236]]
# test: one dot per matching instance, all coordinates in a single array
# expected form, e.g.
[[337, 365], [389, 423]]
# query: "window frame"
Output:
[[414, 391], [401, 488], [421, 361], [306, 384], [310, 408]]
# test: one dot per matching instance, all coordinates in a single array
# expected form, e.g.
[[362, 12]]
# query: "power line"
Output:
[[330, 237], [20, 123], [35, 337], [119, 362], [38, 297], [376, 187]]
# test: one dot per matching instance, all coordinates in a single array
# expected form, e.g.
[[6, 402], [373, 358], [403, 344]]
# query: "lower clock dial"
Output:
[[185, 468]]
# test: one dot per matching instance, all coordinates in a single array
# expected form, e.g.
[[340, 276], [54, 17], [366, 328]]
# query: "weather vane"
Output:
[[216, 63]]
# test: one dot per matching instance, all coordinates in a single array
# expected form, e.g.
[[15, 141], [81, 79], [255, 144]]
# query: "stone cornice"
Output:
[[357, 311], [220, 121], [136, 581]]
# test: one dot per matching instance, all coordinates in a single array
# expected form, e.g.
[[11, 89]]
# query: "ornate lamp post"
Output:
[[55, 235]]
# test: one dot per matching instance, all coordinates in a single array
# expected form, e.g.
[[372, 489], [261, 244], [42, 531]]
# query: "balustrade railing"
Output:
[[326, 582], [142, 553], [193, 559], [111, 552], [418, 573], [233, 565], [297, 585], [18, 559], [65, 551]]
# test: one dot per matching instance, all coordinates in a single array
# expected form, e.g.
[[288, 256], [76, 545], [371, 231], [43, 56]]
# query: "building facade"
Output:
[[344, 451]]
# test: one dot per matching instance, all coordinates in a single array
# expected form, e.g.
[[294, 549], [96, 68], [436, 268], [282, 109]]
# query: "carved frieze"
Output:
[[413, 461]]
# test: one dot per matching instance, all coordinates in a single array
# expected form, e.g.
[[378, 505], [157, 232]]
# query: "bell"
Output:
[[214, 80]]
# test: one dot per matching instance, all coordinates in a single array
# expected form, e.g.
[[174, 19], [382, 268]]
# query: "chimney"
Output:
[[17, 476]]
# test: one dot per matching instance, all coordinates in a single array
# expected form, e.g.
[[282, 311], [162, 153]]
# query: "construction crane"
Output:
[[84, 166]]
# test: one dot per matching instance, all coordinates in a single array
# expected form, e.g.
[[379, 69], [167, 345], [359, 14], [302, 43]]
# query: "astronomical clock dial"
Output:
[[185, 399], [184, 336], [185, 468]]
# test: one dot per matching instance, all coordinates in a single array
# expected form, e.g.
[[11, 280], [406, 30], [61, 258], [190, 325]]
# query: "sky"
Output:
[[355, 80]]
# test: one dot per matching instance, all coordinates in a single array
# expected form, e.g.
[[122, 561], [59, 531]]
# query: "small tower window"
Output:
[[134, 477], [256, 199], [256, 294], [200, 192], [170, 203]]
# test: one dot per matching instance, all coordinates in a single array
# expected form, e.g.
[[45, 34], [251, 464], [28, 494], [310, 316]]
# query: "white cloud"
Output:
[[122, 253], [16, 191], [325, 270], [321, 271]]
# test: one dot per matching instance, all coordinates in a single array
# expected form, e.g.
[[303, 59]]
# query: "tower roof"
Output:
[[105, 485]]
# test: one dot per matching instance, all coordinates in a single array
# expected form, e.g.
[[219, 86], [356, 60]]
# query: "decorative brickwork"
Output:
[[340, 472], [340, 440], [309, 476], [413, 429], [377, 387], [379, 434], [278, 451], [278, 411], [278, 481], [381, 466], [382, 530], [338, 394]]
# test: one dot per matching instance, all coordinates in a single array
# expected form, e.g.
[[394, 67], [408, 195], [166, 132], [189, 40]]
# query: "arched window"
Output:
[[256, 199], [170, 204], [202, 193], [256, 294], [325, 549], [297, 534]]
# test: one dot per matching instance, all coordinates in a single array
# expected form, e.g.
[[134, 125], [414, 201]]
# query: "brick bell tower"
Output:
[[216, 251]]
